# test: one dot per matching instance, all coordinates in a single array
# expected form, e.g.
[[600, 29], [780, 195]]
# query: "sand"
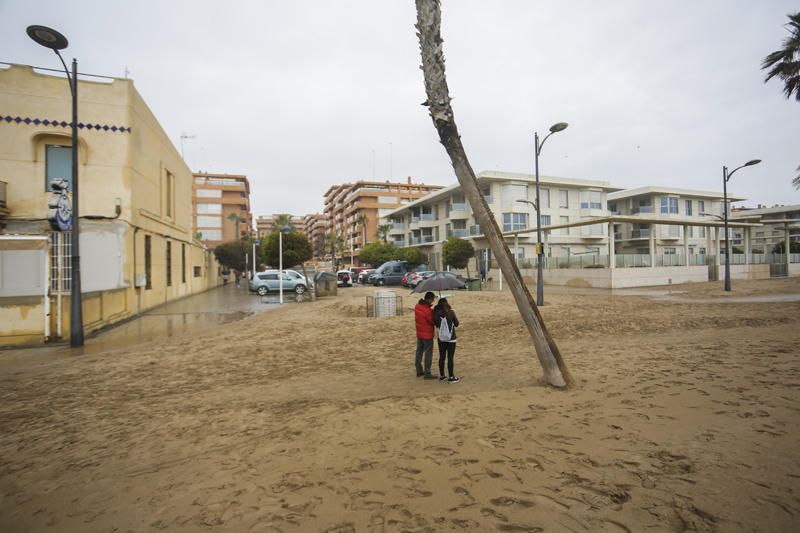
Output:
[[685, 416]]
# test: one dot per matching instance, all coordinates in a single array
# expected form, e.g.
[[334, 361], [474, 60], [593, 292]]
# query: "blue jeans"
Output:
[[424, 346]]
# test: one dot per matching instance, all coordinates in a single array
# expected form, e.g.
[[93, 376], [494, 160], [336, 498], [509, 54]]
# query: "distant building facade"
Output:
[[316, 227], [665, 202], [346, 203], [427, 222], [265, 224], [136, 241], [220, 205], [781, 223]]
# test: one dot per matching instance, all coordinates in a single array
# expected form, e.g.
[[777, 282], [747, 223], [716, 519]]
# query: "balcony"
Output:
[[461, 232], [488, 198], [414, 220], [426, 217], [475, 230], [400, 243], [670, 233], [640, 233], [415, 240], [459, 212], [426, 239], [643, 209], [399, 226]]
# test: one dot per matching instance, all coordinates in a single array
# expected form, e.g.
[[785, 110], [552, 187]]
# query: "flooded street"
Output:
[[197, 313]]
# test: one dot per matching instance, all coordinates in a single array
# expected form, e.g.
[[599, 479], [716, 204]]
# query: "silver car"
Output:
[[268, 281]]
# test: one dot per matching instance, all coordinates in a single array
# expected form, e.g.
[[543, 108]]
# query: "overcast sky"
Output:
[[302, 95]]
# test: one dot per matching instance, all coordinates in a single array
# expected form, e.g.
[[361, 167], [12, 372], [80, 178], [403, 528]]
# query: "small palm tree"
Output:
[[383, 231], [283, 220], [785, 63], [362, 221], [236, 219], [334, 242]]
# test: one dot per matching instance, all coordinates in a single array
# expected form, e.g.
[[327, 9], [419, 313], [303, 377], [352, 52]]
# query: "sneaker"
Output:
[[442, 378], [431, 376], [453, 379]]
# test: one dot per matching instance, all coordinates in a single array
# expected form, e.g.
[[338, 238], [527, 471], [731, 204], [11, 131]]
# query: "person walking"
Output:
[[446, 320], [423, 317]]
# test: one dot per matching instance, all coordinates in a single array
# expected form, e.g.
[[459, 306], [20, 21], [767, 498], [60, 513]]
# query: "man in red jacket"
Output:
[[423, 316]]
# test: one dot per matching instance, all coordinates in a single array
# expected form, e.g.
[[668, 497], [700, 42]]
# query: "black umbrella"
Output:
[[441, 281]]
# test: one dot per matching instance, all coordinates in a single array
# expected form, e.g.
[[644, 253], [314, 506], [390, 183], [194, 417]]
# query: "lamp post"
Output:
[[555, 128], [55, 41], [536, 210], [284, 229], [725, 177]]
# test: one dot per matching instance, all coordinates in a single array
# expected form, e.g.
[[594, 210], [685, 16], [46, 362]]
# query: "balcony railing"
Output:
[[640, 234], [457, 232], [399, 242], [488, 198], [475, 230], [415, 240], [644, 209], [426, 217], [399, 225], [458, 207], [414, 219], [427, 239]]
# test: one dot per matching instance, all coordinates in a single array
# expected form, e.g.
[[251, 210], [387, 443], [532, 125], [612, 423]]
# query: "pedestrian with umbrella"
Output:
[[439, 281]]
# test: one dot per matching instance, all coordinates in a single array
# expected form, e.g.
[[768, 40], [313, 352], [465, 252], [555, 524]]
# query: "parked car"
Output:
[[392, 273], [344, 278], [414, 278], [363, 276], [269, 281]]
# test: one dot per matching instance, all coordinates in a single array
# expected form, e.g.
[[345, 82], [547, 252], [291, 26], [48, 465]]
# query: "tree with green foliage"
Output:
[[362, 221], [296, 249], [457, 252], [413, 256], [377, 253], [780, 248], [232, 254], [383, 232], [785, 65]]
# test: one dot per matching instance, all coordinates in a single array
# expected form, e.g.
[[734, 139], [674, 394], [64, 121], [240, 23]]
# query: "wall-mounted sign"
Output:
[[59, 212]]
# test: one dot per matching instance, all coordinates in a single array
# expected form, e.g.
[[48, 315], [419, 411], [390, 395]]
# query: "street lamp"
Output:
[[555, 128], [50, 38], [725, 177], [284, 229]]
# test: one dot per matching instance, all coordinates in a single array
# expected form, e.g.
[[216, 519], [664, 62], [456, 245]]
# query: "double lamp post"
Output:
[[555, 128]]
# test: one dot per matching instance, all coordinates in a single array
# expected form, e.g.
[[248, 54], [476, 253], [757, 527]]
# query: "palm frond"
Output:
[[796, 180]]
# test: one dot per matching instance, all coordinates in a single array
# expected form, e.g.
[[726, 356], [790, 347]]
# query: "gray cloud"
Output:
[[298, 95]]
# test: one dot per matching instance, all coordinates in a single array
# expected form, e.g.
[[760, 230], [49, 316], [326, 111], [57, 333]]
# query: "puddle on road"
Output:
[[197, 313]]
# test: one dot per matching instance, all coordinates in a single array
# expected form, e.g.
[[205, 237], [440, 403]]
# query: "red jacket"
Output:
[[423, 316]]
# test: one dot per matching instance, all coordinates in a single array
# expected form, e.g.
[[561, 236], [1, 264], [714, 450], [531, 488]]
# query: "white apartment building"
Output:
[[430, 220], [780, 222], [676, 205]]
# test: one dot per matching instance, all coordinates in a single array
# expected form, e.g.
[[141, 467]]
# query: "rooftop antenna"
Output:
[[391, 177], [127, 72], [184, 136], [373, 165]]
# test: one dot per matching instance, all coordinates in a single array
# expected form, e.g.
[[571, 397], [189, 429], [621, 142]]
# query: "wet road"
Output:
[[216, 307]]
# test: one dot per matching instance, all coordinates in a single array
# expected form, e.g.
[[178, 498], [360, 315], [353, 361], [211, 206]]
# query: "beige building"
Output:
[[137, 250], [653, 203], [429, 221], [779, 223], [220, 208], [346, 203]]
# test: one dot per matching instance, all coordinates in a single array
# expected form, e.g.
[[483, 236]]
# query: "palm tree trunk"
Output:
[[428, 28]]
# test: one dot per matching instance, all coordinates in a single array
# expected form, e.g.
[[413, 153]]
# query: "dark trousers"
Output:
[[424, 346], [446, 349]]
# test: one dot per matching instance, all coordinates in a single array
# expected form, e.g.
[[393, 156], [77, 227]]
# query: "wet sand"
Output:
[[310, 418]]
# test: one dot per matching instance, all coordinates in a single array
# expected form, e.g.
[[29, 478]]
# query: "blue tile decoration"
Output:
[[63, 124]]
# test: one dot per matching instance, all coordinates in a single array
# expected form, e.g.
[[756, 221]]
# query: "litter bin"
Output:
[[474, 284]]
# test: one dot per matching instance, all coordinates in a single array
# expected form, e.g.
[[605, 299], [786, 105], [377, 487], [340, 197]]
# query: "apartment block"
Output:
[[316, 226], [654, 203], [346, 204], [220, 208], [429, 221], [780, 222]]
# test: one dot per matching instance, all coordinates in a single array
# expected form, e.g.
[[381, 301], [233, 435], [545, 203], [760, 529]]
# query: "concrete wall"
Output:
[[617, 278], [744, 272]]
